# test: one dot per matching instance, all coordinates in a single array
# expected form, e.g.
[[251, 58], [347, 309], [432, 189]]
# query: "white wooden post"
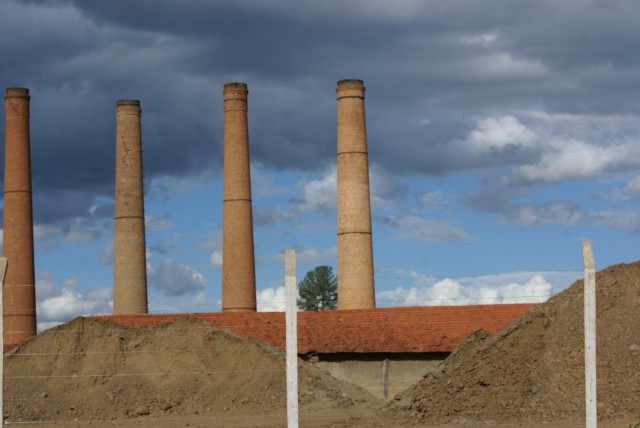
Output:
[[291, 314], [3, 272], [590, 335]]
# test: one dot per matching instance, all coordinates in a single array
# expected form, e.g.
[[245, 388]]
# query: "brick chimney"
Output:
[[238, 265], [17, 223], [129, 257], [355, 251]]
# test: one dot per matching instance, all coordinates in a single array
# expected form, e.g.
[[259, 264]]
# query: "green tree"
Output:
[[318, 290]]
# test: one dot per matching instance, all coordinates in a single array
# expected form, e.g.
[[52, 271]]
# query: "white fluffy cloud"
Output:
[[213, 243], [58, 305], [567, 159], [216, 259], [319, 195], [271, 299], [448, 292], [541, 148], [69, 304], [517, 287], [577, 146], [493, 133], [175, 279]]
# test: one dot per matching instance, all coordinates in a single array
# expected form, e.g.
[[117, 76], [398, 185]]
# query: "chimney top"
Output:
[[128, 102], [16, 93], [357, 82], [235, 85]]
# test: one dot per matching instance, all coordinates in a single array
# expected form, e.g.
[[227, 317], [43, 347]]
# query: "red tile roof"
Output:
[[386, 330]]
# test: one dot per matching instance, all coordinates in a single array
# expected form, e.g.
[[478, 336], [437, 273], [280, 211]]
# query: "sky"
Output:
[[501, 135]]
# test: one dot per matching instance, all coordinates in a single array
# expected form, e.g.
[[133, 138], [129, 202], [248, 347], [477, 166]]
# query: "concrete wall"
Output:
[[366, 370]]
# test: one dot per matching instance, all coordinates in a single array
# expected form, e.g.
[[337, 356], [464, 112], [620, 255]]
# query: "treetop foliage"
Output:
[[318, 291]]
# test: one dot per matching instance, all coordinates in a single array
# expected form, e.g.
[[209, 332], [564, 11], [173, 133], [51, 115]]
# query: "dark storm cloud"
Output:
[[76, 71], [433, 71], [569, 35]]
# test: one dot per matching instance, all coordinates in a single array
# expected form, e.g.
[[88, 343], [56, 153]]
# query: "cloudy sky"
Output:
[[500, 135]]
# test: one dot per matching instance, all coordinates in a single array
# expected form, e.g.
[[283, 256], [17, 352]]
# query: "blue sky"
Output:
[[500, 136]]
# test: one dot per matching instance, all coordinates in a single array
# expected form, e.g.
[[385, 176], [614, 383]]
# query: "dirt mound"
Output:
[[533, 370], [88, 370], [187, 373]]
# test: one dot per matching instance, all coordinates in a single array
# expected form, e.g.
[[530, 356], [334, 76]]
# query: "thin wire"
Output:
[[346, 412], [197, 373]]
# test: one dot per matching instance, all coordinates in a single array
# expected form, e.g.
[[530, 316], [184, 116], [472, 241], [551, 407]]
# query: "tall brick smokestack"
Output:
[[129, 258], [17, 223], [238, 266], [355, 251]]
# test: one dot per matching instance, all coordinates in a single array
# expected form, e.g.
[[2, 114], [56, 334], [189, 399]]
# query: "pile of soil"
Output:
[[533, 370], [89, 371], [187, 373]]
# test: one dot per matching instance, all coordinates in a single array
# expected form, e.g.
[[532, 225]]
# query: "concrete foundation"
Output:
[[356, 288], [366, 370], [129, 257], [238, 265], [17, 223]]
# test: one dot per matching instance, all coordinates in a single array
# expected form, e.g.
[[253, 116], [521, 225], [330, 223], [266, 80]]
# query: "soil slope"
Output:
[[88, 370], [187, 373], [533, 370]]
